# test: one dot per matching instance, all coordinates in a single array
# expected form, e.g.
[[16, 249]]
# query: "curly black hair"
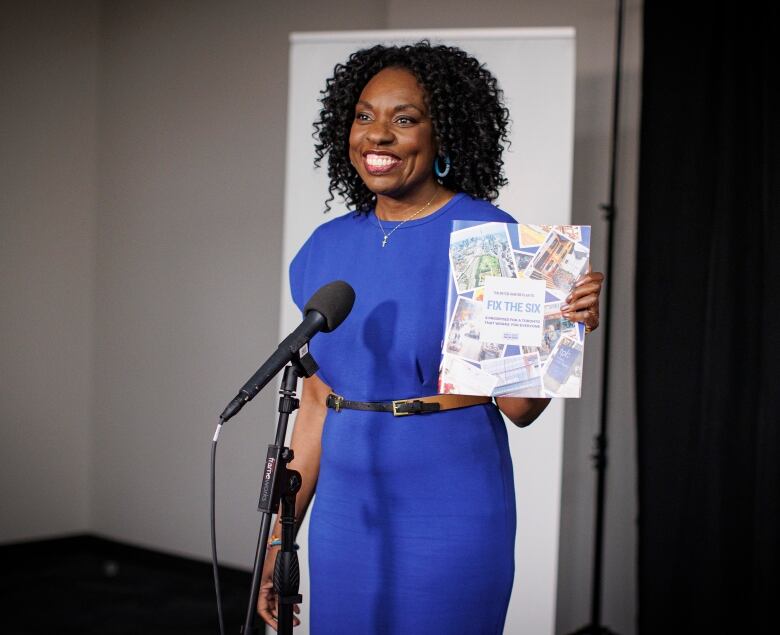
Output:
[[466, 107]]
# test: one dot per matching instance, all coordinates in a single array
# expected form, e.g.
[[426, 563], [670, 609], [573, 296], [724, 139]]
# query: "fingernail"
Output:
[[564, 307], [579, 283]]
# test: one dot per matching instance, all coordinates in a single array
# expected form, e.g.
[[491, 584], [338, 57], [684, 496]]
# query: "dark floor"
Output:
[[88, 585]]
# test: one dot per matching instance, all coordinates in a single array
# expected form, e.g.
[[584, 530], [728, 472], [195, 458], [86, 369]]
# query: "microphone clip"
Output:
[[303, 362]]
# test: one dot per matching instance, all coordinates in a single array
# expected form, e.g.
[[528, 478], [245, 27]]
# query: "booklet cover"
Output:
[[505, 335]]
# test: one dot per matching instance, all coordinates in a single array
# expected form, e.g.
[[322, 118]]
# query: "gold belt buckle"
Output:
[[337, 399], [395, 408]]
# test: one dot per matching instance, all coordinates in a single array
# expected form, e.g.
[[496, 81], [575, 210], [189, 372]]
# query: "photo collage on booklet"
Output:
[[505, 335]]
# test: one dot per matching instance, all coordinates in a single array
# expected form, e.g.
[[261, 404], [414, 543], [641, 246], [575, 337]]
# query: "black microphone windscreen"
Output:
[[334, 300]]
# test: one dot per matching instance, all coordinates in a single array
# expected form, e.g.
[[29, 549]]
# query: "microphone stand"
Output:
[[280, 484]]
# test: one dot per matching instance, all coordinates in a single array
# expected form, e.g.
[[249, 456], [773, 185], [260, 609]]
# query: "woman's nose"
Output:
[[380, 133]]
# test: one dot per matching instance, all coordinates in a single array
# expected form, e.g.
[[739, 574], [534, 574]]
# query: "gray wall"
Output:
[[48, 82], [141, 193], [191, 168]]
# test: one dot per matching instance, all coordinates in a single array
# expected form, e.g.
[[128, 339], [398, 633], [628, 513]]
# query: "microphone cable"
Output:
[[214, 563]]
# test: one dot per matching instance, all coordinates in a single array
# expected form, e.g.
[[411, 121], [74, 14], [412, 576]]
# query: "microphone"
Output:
[[324, 311]]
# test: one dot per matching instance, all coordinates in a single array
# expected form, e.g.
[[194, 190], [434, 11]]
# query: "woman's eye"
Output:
[[404, 121], [361, 116]]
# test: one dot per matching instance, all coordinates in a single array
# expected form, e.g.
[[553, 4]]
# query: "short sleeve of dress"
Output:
[[298, 268]]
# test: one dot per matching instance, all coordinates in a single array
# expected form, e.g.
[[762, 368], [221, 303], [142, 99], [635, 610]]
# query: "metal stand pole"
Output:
[[279, 484], [600, 451]]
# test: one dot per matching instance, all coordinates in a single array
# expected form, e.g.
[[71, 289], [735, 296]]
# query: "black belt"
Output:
[[402, 407]]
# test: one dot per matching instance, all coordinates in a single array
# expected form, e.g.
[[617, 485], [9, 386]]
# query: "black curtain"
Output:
[[708, 319]]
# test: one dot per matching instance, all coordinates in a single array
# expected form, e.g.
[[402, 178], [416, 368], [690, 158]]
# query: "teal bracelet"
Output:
[[278, 543]]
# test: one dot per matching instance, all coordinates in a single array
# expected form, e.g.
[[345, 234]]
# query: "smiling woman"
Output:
[[399, 541]]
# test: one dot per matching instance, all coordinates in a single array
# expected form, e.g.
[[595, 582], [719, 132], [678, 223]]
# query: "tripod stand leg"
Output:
[[265, 525]]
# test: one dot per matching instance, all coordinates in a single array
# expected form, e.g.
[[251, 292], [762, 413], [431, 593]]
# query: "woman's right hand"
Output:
[[267, 606]]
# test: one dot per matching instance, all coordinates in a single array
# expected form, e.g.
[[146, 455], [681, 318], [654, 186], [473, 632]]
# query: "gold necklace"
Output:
[[382, 229]]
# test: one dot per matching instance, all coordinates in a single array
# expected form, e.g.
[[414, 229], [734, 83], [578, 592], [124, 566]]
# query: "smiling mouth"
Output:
[[380, 163]]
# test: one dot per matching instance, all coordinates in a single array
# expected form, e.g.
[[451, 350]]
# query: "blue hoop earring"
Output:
[[447, 165]]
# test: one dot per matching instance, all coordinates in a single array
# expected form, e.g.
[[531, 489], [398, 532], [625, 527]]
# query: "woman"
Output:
[[413, 528]]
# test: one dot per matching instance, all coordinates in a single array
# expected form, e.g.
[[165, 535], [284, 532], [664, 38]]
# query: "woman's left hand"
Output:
[[582, 304]]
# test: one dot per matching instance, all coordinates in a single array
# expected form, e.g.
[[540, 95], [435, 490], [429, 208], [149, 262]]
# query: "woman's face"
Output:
[[391, 141]]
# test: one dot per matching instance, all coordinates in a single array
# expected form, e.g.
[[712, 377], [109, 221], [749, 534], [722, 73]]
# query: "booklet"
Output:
[[505, 335]]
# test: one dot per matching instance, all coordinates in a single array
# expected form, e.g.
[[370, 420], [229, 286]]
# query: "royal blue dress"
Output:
[[413, 525]]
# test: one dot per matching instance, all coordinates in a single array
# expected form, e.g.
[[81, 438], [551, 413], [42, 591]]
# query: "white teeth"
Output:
[[379, 160]]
